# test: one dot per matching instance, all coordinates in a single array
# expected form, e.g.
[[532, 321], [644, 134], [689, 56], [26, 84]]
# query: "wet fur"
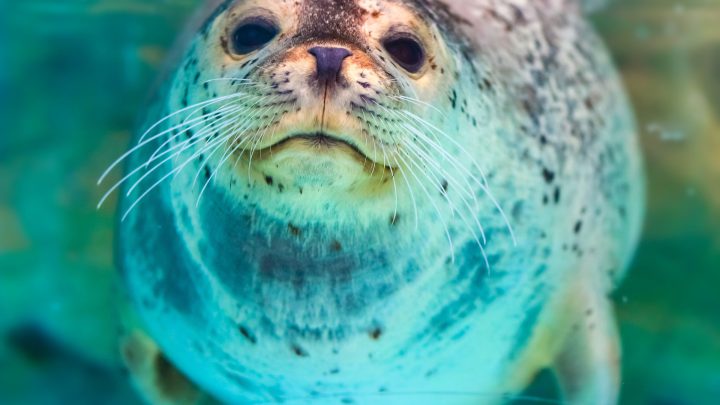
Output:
[[450, 275]]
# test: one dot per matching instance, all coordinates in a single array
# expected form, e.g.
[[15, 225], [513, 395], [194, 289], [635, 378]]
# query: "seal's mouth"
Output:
[[321, 141]]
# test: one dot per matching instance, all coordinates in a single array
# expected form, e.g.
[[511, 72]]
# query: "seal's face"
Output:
[[317, 96]]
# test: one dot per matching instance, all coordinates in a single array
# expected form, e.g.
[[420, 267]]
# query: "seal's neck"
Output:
[[307, 274]]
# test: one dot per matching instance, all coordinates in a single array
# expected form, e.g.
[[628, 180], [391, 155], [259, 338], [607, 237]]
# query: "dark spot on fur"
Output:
[[335, 246], [487, 84], [589, 103], [430, 373], [269, 180], [299, 351], [394, 219], [518, 210], [294, 230], [453, 99], [548, 175], [578, 226], [376, 333], [248, 334], [185, 98]]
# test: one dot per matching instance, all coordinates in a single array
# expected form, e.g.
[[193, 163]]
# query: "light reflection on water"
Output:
[[74, 74]]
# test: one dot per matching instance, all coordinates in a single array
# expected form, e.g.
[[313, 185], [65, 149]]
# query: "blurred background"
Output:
[[75, 73]]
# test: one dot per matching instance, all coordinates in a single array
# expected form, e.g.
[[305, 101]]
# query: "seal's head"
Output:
[[323, 108]]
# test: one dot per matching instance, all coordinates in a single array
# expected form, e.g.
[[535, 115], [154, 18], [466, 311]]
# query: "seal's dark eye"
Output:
[[252, 35], [407, 52]]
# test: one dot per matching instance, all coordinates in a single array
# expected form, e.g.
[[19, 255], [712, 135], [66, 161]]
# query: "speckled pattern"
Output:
[[300, 285]]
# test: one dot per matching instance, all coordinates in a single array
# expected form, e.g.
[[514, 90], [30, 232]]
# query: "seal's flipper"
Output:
[[157, 380], [588, 365], [154, 377]]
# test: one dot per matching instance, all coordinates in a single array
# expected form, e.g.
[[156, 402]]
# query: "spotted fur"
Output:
[[265, 277]]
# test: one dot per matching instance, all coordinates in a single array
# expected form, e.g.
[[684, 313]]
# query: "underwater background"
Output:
[[74, 75]]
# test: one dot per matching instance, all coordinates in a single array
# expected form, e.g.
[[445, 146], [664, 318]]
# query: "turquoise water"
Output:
[[75, 73]]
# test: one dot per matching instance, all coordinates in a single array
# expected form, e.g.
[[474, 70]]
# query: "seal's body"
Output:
[[378, 201]]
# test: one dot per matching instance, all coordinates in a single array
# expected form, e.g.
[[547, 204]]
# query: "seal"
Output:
[[380, 201]]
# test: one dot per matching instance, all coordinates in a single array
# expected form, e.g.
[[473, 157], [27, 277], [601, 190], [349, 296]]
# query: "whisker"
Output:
[[244, 82], [190, 107], [165, 177], [436, 146], [385, 163], [242, 96], [450, 178], [374, 145], [244, 124], [150, 171], [410, 189], [238, 129], [419, 102], [465, 193], [431, 200], [198, 137], [254, 148], [484, 184], [225, 157], [427, 174], [142, 142], [225, 109]]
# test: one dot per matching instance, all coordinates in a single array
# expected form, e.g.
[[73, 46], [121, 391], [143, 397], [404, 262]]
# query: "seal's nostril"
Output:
[[329, 62]]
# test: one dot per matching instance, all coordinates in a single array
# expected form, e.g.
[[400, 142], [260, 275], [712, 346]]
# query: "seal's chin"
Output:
[[319, 159], [321, 142]]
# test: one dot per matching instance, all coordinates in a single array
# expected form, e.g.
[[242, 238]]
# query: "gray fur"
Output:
[[258, 299]]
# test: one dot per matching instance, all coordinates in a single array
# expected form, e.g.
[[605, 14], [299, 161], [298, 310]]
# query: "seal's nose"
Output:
[[329, 62]]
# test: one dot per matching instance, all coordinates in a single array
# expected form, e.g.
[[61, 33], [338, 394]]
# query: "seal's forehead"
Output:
[[332, 14], [342, 20], [331, 19]]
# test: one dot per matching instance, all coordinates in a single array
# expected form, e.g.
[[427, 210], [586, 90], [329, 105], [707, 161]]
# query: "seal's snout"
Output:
[[329, 61]]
